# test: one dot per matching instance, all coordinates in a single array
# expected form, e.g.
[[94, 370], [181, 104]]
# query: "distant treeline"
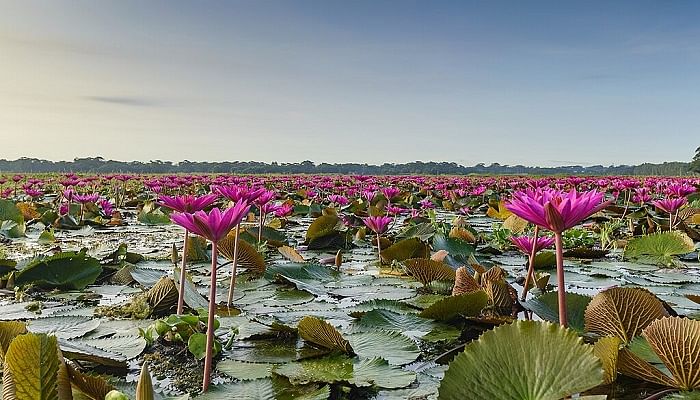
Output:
[[100, 165]]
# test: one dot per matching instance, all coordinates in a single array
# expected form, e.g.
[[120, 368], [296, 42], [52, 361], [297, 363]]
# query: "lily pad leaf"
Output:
[[321, 333], [245, 370], [546, 306], [33, 361], [468, 305], [396, 348], [64, 327], [427, 270], [67, 270], [659, 248], [362, 372], [405, 249], [522, 360], [623, 312]]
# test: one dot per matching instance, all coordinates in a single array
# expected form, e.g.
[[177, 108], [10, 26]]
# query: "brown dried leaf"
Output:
[[623, 312]]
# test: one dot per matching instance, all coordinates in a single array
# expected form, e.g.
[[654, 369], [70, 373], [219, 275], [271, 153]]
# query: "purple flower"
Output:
[[265, 197], [86, 198], [238, 193], [390, 192], [378, 224], [284, 210], [33, 193], [680, 189], [216, 224], [338, 199], [554, 210], [187, 203], [426, 203], [393, 210], [670, 205], [524, 243], [107, 207]]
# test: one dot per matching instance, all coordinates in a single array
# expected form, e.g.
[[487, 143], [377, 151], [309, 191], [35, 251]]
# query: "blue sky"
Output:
[[529, 82]]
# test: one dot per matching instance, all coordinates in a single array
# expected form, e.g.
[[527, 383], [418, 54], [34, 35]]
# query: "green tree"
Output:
[[695, 164]]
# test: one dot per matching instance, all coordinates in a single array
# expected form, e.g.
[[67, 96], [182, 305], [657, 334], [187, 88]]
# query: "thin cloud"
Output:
[[126, 101]]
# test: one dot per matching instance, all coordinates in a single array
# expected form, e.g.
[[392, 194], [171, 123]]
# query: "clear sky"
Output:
[[531, 82]]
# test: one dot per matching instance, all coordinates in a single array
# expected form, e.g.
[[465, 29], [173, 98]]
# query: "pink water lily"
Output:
[[378, 224], [187, 203], [671, 205], [530, 245], [524, 243], [556, 211], [237, 193], [214, 226]]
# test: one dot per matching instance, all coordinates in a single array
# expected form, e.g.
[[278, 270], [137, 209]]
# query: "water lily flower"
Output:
[[557, 211], [284, 210], [265, 197], [238, 193], [33, 193], [185, 204], [394, 210], [524, 243], [390, 192], [379, 225], [86, 198], [426, 203], [680, 189], [671, 205], [213, 226], [107, 207], [338, 199]]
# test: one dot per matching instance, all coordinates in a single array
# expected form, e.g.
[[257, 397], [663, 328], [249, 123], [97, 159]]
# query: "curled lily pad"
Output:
[[623, 312], [469, 305], [323, 334], [426, 270]]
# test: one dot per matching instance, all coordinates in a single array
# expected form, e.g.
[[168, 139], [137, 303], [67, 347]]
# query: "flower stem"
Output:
[[262, 223], [181, 295], [560, 278], [379, 250], [233, 267], [531, 264], [210, 320]]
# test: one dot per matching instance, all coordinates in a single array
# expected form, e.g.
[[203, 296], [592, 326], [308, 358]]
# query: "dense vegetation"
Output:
[[100, 165], [348, 287]]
